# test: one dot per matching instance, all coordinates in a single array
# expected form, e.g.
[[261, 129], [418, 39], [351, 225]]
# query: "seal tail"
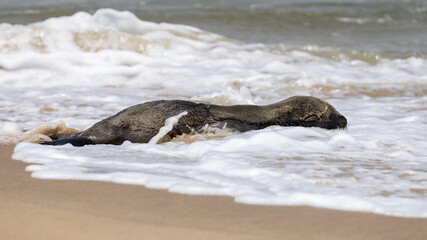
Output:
[[75, 141]]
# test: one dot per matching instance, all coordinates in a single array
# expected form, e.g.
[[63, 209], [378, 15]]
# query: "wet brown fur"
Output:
[[141, 122]]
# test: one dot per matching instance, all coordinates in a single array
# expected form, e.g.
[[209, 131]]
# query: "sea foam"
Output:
[[83, 68]]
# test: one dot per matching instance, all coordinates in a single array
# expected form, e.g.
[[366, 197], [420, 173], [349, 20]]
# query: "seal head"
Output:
[[302, 111], [309, 111]]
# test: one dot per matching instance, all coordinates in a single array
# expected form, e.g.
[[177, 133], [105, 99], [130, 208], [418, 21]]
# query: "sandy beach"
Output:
[[51, 209], [67, 64]]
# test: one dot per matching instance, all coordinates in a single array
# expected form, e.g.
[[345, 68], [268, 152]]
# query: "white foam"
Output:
[[260, 167], [10, 128], [169, 123], [9, 132], [83, 68]]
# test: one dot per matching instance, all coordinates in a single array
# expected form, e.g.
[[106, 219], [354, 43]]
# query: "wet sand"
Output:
[[51, 209]]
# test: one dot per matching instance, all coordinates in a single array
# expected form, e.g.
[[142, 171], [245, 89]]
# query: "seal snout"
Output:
[[338, 122]]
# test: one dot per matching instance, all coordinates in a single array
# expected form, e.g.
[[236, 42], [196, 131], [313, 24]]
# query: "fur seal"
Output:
[[140, 123]]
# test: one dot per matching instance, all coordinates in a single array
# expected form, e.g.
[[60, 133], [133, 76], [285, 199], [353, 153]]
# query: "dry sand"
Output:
[[51, 209]]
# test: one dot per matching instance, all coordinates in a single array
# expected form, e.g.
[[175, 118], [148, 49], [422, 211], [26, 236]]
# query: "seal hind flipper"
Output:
[[75, 141]]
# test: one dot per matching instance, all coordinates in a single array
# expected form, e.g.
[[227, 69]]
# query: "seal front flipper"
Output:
[[75, 141]]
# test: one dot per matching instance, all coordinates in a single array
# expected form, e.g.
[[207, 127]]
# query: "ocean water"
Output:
[[84, 63]]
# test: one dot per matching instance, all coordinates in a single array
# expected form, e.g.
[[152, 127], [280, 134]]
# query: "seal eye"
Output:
[[311, 118]]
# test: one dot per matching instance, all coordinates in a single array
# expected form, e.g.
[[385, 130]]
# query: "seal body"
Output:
[[142, 122]]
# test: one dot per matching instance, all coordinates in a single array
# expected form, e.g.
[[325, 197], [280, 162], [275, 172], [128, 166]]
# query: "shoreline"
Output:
[[70, 209]]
